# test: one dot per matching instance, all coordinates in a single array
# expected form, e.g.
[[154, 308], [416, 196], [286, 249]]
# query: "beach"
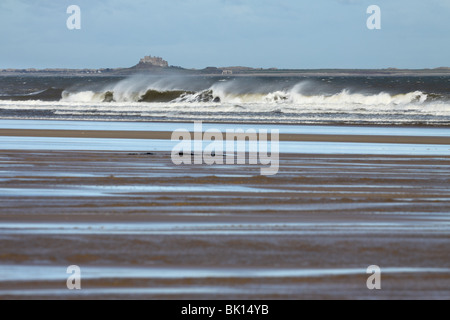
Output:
[[215, 156], [107, 197]]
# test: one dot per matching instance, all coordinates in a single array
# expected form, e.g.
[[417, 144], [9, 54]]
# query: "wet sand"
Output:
[[141, 227]]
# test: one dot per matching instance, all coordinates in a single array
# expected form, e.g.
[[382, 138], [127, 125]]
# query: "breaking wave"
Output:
[[233, 92], [363, 100], [278, 97], [229, 91]]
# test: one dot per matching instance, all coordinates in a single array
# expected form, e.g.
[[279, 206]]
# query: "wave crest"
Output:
[[242, 92], [277, 97]]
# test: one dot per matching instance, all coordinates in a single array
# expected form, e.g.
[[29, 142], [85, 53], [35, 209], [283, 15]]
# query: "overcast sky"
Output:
[[201, 33]]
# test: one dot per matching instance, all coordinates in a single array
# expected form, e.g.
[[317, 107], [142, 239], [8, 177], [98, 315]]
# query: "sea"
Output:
[[317, 100], [140, 227]]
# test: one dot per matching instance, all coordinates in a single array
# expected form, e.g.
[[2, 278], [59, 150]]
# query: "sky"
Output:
[[302, 34]]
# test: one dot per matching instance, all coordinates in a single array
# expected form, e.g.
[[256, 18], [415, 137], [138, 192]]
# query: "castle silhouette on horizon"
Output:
[[154, 61]]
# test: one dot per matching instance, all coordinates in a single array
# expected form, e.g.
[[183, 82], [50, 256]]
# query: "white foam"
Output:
[[132, 90], [84, 96]]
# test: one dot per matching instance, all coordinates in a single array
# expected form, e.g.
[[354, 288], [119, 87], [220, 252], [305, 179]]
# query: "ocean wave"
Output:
[[243, 91], [430, 114], [213, 95], [277, 100], [50, 94], [162, 96], [189, 90]]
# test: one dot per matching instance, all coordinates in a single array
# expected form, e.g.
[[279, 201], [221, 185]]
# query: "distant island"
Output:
[[159, 66]]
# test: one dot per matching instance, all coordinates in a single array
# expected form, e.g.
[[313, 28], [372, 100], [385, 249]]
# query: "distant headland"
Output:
[[159, 66]]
